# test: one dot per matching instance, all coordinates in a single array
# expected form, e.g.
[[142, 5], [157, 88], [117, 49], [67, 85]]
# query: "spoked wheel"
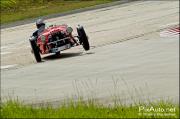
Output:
[[35, 50], [83, 38]]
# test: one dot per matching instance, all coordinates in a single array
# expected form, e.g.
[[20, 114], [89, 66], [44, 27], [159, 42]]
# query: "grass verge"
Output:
[[90, 109], [23, 9]]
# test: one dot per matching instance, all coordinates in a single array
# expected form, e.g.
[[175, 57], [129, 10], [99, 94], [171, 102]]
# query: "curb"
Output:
[[32, 20]]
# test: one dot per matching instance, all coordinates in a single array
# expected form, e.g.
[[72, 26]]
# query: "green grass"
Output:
[[88, 109], [14, 10]]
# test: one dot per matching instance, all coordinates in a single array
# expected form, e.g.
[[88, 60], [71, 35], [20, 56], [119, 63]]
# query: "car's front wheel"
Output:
[[83, 37], [35, 50]]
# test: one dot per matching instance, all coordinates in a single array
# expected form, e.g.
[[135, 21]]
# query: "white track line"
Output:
[[4, 53], [170, 32], [8, 66], [167, 34], [3, 47]]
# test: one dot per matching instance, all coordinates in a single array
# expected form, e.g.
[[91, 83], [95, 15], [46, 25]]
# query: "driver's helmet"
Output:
[[39, 23]]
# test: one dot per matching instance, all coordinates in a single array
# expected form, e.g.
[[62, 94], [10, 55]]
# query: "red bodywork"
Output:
[[47, 33]]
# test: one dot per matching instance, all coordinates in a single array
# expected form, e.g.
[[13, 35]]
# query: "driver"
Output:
[[40, 27]]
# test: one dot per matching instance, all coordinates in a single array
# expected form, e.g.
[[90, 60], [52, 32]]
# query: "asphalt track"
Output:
[[133, 57]]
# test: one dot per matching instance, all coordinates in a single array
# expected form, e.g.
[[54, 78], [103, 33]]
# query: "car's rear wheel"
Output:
[[57, 54], [83, 37], [35, 50]]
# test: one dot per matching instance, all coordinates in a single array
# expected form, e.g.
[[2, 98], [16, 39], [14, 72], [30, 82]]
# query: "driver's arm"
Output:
[[35, 34]]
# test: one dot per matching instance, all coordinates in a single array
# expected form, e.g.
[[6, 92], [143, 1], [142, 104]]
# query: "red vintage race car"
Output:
[[56, 38]]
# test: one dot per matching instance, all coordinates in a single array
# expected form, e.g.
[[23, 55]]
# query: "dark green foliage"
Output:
[[14, 10]]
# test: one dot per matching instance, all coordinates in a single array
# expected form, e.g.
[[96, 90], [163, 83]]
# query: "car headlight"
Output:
[[69, 30], [43, 38]]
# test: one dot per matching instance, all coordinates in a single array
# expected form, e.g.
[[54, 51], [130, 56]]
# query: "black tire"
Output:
[[35, 50], [83, 38], [57, 54]]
